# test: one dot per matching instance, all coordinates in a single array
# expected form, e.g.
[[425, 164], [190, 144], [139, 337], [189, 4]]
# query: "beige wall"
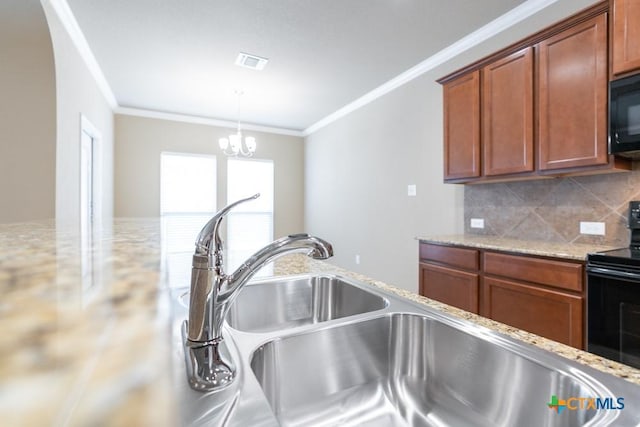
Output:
[[77, 93], [27, 117], [357, 172], [139, 142], [358, 169]]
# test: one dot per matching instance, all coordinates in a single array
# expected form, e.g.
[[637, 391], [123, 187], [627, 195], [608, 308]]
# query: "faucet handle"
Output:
[[210, 233]]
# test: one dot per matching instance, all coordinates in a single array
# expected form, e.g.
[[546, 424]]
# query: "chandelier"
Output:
[[234, 145]]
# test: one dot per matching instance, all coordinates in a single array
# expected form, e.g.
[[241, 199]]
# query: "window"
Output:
[[187, 202], [249, 225]]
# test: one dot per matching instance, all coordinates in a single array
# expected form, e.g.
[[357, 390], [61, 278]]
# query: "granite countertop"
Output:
[[529, 247], [87, 325]]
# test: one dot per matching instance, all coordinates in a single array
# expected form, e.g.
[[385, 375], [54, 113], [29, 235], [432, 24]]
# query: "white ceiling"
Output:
[[178, 56]]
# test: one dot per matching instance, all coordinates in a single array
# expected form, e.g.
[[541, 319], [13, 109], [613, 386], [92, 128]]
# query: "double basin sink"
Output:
[[325, 350]]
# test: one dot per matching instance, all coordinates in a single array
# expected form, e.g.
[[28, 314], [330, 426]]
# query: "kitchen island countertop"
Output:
[[86, 325]]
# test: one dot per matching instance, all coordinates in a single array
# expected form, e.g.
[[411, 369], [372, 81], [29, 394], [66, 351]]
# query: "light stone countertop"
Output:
[[528, 247], [86, 333]]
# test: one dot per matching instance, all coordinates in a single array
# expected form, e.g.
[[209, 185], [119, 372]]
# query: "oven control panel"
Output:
[[634, 214]]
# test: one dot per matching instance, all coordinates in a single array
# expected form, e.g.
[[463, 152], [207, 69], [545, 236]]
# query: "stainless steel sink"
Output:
[[324, 350], [274, 304], [410, 370]]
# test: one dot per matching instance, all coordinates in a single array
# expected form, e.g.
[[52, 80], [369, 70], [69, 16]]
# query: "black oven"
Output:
[[613, 305], [613, 298], [624, 117]]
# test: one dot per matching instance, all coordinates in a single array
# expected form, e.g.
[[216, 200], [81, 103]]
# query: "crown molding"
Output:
[[509, 19], [65, 15], [151, 114], [502, 23]]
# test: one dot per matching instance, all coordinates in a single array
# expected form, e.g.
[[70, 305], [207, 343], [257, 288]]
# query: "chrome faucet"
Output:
[[209, 366]]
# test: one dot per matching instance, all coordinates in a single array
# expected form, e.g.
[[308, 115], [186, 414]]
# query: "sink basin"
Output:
[[326, 350], [276, 304], [411, 370]]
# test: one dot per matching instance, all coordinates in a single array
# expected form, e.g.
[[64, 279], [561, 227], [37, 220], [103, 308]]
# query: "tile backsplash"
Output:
[[551, 209]]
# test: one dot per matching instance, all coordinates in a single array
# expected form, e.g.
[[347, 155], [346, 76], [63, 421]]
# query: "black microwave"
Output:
[[624, 117]]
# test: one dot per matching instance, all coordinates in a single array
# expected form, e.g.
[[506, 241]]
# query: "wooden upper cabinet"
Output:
[[462, 127], [626, 35], [507, 113], [572, 96]]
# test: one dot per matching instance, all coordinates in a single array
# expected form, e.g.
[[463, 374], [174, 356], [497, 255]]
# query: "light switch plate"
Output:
[[593, 228], [411, 190], [477, 222]]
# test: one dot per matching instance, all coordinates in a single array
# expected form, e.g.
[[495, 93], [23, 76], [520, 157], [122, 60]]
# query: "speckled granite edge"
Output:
[[297, 264], [582, 357], [529, 247], [86, 327]]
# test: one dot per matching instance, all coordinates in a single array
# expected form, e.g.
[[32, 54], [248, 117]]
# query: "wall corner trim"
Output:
[[502, 23], [68, 20]]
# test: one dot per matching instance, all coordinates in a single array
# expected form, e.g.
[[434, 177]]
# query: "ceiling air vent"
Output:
[[251, 61]]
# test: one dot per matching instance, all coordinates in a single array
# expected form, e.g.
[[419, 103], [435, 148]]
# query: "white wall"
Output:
[[140, 140], [357, 169], [27, 115], [77, 93]]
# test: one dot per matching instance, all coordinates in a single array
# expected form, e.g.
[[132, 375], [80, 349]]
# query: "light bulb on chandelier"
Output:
[[233, 145]]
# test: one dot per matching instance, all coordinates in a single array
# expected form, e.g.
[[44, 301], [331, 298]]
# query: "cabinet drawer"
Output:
[[564, 275], [458, 257]]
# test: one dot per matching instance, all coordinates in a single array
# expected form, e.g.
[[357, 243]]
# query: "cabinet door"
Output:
[[507, 114], [551, 314], [572, 91], [450, 286], [462, 127], [626, 36]]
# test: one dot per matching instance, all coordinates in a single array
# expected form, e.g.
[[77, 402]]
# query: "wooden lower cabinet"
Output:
[[558, 274], [542, 295], [552, 314], [450, 286]]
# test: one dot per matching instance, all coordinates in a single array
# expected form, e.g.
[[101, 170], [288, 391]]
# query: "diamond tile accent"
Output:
[[534, 228], [551, 209]]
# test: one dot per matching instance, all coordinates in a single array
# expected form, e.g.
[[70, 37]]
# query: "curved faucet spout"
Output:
[[228, 286], [314, 247]]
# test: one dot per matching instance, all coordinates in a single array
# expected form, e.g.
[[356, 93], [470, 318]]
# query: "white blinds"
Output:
[[187, 202], [250, 225], [187, 183]]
